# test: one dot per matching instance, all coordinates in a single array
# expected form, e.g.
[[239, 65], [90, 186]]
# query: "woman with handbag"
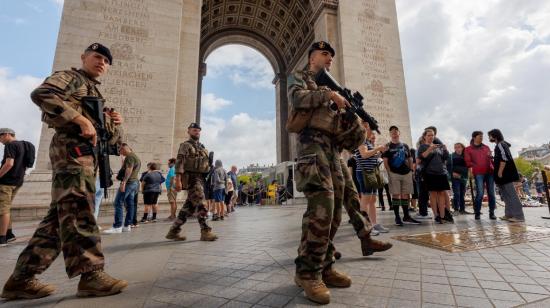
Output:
[[369, 178]]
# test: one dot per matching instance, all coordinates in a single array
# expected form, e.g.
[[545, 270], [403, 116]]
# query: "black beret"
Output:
[[321, 45], [102, 50], [194, 125]]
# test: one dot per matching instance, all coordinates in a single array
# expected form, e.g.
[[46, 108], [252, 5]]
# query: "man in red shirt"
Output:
[[479, 160]]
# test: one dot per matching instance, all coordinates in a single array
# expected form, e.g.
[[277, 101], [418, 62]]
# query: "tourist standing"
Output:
[[171, 189], [459, 177], [478, 158], [229, 195], [151, 183], [505, 175], [398, 163], [433, 157], [232, 174], [369, 178], [127, 190], [218, 183], [12, 175], [386, 187]]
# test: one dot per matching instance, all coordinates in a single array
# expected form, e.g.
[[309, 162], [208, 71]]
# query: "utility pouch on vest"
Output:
[[298, 120], [196, 160]]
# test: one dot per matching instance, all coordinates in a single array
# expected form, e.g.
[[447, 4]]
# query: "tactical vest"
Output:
[[323, 118], [196, 158]]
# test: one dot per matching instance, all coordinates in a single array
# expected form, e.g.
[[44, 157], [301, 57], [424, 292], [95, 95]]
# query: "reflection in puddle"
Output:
[[477, 238]]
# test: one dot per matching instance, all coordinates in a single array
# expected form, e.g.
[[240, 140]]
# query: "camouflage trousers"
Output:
[[319, 175], [360, 223], [69, 226], [194, 202]]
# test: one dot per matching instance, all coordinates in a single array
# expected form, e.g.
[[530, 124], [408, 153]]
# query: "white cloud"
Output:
[[211, 103], [477, 65], [244, 66], [58, 2], [241, 140], [13, 20], [18, 111]]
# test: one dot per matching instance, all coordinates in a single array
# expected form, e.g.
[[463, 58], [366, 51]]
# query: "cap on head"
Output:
[[194, 125], [393, 127], [7, 131], [321, 45], [102, 50]]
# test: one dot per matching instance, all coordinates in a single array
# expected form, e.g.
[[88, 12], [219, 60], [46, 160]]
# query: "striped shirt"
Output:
[[367, 164]]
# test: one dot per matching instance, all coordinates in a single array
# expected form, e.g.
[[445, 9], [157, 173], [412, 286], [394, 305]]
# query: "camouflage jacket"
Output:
[[58, 97], [192, 157], [304, 94]]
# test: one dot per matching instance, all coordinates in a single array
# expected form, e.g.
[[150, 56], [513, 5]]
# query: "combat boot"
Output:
[[370, 246], [333, 278], [315, 289], [208, 236], [99, 283], [174, 234], [28, 288]]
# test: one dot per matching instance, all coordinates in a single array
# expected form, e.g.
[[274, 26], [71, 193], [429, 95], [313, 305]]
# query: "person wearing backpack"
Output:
[[398, 163], [12, 173]]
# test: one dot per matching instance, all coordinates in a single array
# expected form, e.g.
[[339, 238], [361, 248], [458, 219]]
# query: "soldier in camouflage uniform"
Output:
[[70, 225], [192, 164], [321, 176]]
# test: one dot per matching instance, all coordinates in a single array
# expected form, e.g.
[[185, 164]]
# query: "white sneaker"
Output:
[[113, 231], [374, 232], [126, 229], [380, 228], [418, 216]]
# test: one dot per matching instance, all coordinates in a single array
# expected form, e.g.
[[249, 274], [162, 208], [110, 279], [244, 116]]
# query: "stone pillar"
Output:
[[326, 28], [372, 63], [202, 73], [283, 144], [188, 66]]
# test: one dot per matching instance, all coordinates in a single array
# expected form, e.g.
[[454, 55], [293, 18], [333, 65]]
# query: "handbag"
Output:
[[372, 178]]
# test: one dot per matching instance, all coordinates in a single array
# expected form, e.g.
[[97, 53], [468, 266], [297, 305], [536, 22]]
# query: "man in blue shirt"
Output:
[[170, 188]]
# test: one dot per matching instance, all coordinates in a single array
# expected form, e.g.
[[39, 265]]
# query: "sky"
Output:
[[469, 65]]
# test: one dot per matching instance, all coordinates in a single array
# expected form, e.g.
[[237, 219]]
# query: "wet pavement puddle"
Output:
[[478, 237]]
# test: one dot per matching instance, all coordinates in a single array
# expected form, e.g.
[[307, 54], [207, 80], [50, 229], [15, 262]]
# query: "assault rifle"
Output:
[[323, 78], [93, 106]]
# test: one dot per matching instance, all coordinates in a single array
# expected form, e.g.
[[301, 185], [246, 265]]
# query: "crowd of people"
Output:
[[218, 190], [428, 175], [411, 178]]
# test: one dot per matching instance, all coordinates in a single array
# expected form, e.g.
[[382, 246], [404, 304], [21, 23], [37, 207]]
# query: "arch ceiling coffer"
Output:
[[286, 24]]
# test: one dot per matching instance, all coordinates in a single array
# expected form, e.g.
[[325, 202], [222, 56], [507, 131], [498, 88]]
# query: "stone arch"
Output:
[[281, 30]]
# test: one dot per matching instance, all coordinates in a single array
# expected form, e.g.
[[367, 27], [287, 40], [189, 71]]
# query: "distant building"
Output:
[[254, 168], [537, 153]]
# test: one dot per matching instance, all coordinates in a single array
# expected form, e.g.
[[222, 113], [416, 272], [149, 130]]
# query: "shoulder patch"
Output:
[[60, 79]]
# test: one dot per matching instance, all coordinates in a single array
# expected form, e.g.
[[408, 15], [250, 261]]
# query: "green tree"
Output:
[[525, 167]]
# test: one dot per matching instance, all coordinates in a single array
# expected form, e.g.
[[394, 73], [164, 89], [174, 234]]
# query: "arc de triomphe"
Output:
[[159, 49]]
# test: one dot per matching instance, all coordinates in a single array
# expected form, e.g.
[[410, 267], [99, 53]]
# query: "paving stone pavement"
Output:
[[252, 265]]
